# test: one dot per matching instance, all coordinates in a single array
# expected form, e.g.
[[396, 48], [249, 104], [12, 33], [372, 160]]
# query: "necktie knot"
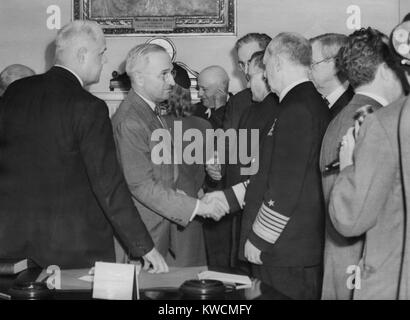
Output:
[[157, 110]]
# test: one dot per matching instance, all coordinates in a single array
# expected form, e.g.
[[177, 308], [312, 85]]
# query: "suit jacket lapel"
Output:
[[145, 112]]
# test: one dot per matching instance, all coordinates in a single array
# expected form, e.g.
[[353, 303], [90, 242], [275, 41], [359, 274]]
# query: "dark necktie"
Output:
[[158, 114]]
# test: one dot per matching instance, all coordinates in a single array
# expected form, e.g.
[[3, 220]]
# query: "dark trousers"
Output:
[[300, 283], [218, 242]]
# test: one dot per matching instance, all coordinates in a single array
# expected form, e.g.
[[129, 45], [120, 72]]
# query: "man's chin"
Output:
[[205, 104]]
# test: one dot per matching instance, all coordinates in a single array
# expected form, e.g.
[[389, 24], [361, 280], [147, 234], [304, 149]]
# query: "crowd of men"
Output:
[[329, 196]]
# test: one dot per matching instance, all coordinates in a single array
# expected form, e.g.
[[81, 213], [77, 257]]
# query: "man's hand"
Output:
[[252, 254], [214, 171], [218, 195], [255, 291], [155, 259], [346, 149], [213, 205]]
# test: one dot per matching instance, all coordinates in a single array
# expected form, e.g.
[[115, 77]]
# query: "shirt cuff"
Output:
[[195, 210], [240, 191]]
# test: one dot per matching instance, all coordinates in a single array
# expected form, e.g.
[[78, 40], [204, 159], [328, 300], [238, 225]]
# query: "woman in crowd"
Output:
[[187, 243]]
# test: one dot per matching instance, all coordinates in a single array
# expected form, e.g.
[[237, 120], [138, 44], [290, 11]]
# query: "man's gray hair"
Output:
[[330, 43], [257, 59], [138, 57], [293, 47], [261, 38], [71, 34]]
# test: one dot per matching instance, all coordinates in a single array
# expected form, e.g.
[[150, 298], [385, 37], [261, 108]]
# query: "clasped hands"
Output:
[[213, 205]]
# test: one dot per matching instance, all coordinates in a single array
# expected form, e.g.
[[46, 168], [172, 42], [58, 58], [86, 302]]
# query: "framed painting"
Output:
[[154, 17]]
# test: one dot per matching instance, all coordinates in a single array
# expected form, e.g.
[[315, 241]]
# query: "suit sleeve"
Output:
[[293, 145], [362, 189], [94, 133], [135, 157]]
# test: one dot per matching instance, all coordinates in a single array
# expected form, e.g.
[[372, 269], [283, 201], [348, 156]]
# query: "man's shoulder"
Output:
[[199, 122], [242, 99], [32, 83], [304, 99], [199, 109], [389, 116], [130, 115], [243, 94], [348, 112]]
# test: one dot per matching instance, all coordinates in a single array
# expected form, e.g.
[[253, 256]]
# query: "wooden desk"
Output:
[[263, 292]]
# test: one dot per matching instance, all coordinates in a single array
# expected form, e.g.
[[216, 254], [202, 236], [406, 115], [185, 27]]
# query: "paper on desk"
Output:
[[173, 279], [242, 281], [72, 279], [87, 278], [113, 281]]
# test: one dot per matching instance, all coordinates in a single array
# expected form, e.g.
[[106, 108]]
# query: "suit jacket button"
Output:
[[368, 270]]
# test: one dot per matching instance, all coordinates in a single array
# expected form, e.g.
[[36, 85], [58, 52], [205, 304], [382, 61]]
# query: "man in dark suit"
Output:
[[257, 116], [283, 219], [62, 193], [151, 174], [12, 73], [237, 105], [329, 81], [245, 47], [213, 86], [376, 85]]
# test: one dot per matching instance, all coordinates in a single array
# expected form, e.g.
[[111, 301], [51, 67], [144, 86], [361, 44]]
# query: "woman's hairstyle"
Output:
[[179, 102]]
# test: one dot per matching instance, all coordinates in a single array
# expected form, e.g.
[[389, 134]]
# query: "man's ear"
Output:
[[81, 54], [385, 72], [138, 78], [334, 69], [278, 63]]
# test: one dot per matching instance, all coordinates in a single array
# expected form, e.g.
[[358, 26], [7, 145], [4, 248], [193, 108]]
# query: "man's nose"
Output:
[[171, 81], [246, 68]]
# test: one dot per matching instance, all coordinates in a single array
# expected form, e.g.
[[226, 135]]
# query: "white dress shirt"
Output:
[[336, 94]]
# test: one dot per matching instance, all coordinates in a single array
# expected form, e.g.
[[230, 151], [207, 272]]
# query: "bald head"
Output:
[[12, 73], [80, 46], [213, 84], [215, 75]]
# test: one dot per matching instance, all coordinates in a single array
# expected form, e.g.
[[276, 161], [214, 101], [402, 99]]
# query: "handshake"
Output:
[[213, 205]]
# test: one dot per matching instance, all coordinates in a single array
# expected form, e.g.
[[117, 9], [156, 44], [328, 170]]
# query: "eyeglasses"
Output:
[[319, 62]]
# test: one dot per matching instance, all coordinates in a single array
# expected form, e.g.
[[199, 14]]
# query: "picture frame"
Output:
[[159, 17]]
